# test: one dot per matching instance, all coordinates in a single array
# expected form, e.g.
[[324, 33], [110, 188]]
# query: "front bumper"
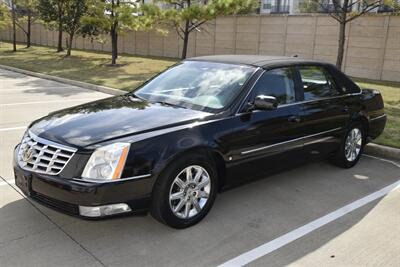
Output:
[[67, 195]]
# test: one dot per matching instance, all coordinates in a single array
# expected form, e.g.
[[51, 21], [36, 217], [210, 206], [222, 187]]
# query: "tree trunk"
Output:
[[28, 31], [14, 23], [114, 46], [185, 40], [59, 44], [71, 38], [342, 39]]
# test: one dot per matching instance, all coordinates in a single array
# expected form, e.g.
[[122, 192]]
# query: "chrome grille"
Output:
[[43, 156]]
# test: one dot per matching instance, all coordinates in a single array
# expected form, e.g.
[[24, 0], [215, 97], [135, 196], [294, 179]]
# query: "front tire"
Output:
[[352, 146], [185, 192]]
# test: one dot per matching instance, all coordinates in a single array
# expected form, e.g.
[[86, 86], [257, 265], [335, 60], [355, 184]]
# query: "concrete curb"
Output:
[[382, 151], [103, 89]]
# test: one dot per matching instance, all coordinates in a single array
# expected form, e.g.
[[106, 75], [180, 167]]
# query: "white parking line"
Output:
[[8, 182], [45, 102], [285, 239], [12, 128], [385, 160]]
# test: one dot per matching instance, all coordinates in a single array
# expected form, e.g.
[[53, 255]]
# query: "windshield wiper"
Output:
[[136, 96], [170, 104]]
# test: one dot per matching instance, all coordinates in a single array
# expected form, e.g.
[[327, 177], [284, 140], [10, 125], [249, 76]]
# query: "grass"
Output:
[[90, 67], [93, 67], [391, 96]]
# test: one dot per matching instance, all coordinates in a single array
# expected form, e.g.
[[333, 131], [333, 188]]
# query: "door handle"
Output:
[[345, 109], [294, 119]]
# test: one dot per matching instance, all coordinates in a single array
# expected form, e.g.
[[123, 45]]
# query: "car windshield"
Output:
[[204, 86]]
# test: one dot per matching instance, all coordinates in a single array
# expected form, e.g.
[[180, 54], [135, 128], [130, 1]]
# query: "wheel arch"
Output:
[[214, 155], [361, 117]]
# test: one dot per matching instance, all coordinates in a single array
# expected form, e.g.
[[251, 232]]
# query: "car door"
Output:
[[264, 135], [323, 110]]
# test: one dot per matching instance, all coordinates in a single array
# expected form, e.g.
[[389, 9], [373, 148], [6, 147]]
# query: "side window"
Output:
[[343, 82], [317, 82], [278, 83]]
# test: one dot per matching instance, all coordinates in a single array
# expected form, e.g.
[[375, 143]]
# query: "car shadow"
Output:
[[43, 86], [241, 219]]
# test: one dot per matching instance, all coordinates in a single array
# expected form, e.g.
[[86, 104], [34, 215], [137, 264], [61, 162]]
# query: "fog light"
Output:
[[105, 210]]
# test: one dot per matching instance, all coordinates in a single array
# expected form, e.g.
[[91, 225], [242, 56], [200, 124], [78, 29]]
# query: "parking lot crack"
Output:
[[24, 236]]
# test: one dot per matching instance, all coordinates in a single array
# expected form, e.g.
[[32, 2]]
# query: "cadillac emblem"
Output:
[[27, 154]]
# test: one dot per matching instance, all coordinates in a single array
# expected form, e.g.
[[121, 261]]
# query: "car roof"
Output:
[[255, 60]]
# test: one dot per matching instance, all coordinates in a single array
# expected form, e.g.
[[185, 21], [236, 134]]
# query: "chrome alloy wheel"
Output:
[[353, 144], [189, 192]]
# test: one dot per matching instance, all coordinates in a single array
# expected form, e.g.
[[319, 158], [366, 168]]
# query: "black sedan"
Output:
[[201, 126]]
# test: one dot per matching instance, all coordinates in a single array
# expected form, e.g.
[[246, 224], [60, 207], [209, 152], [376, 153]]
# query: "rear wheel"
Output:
[[352, 146], [185, 192]]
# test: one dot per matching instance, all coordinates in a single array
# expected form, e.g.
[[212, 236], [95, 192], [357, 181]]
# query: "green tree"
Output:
[[14, 24], [187, 16], [394, 5], [26, 15], [74, 11], [11, 5], [52, 12], [4, 16], [345, 11], [113, 17]]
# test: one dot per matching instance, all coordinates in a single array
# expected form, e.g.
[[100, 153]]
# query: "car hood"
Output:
[[110, 118]]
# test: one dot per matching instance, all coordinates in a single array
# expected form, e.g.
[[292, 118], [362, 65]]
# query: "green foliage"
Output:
[[113, 17], [73, 12], [4, 16], [65, 15], [394, 4], [103, 15], [25, 7], [198, 12], [189, 15], [51, 10]]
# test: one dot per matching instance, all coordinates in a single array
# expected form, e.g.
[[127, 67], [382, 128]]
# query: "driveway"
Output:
[[315, 215]]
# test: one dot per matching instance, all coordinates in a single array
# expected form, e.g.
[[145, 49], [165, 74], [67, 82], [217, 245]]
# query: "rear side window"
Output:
[[343, 82], [317, 83], [278, 83]]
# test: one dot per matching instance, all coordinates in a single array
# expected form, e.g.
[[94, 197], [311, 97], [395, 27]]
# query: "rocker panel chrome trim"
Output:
[[289, 141], [377, 118]]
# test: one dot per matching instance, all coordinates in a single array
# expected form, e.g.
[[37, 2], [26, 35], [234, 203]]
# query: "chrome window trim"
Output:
[[319, 99], [87, 180], [289, 141], [250, 90], [377, 118], [294, 103]]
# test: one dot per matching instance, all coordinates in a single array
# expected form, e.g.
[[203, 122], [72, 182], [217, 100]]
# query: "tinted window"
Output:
[[317, 82], [278, 83], [343, 82]]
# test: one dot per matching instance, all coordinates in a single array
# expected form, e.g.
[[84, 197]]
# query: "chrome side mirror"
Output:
[[265, 102]]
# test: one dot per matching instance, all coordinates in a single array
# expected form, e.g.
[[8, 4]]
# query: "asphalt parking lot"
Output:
[[315, 215]]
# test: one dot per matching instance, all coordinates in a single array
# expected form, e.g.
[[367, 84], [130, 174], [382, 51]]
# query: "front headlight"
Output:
[[107, 162]]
